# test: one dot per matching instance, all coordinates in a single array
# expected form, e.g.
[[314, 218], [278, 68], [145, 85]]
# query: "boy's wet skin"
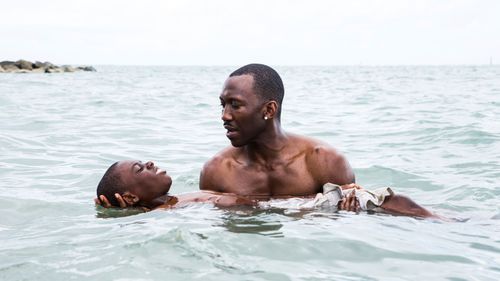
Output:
[[133, 183], [263, 160], [136, 184]]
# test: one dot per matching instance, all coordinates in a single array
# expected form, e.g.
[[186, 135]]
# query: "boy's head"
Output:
[[135, 181]]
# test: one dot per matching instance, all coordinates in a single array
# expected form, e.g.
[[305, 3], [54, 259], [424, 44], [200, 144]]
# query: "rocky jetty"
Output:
[[24, 66]]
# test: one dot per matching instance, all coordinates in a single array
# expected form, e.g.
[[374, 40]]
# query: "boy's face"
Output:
[[145, 180]]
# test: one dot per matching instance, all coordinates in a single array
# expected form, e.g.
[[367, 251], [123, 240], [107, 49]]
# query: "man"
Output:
[[264, 160], [137, 184]]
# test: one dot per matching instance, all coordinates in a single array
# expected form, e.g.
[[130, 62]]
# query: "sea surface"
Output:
[[430, 132]]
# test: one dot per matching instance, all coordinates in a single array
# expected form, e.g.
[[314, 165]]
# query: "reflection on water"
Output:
[[105, 213], [264, 222]]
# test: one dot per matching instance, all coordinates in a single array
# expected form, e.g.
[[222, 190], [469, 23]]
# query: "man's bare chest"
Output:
[[290, 179]]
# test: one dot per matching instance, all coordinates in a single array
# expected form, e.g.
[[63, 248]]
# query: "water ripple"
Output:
[[431, 133]]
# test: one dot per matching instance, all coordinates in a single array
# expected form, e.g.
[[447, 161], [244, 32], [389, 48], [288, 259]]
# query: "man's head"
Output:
[[267, 83], [135, 181], [251, 101]]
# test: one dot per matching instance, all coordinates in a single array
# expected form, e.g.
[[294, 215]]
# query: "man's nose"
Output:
[[150, 164], [226, 114]]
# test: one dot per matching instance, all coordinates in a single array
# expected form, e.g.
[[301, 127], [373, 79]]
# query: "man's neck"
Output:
[[269, 145]]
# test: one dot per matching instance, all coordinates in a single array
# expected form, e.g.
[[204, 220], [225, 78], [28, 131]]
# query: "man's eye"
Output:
[[235, 104]]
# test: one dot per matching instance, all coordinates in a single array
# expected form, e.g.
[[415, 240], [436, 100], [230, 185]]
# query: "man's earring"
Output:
[[265, 118]]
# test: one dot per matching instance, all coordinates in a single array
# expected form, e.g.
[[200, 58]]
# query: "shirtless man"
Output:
[[264, 160], [137, 184]]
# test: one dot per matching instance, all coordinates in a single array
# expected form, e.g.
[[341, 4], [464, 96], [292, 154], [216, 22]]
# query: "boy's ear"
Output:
[[130, 198]]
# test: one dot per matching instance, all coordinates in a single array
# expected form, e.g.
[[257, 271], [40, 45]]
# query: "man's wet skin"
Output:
[[263, 160], [146, 186]]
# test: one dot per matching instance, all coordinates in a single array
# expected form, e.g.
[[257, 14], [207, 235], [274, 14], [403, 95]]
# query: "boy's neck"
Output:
[[164, 200]]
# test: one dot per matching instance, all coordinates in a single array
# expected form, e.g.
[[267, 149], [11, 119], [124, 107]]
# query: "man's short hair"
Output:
[[110, 184], [267, 82]]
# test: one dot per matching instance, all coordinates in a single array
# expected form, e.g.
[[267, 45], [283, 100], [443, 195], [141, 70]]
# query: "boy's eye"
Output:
[[138, 168]]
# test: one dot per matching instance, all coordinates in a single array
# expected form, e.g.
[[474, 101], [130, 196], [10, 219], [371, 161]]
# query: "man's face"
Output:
[[145, 180], [242, 110]]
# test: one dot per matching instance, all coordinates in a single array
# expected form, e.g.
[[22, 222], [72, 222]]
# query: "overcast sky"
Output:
[[232, 32]]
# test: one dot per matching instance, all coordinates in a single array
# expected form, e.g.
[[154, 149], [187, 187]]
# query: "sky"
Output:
[[233, 32]]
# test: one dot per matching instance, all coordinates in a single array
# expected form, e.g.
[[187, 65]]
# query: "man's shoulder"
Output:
[[324, 161], [216, 169], [315, 148], [221, 159]]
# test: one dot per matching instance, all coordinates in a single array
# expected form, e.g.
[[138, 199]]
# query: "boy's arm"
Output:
[[402, 205], [231, 200], [394, 204]]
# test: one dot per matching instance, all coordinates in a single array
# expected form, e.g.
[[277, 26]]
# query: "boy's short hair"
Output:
[[110, 184]]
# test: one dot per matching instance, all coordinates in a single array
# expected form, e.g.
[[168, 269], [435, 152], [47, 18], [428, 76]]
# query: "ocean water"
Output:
[[430, 132]]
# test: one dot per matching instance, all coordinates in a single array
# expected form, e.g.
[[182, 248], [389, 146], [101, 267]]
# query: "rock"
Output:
[[54, 70], [10, 67], [24, 64], [87, 68], [6, 62], [37, 65], [68, 68], [43, 65], [38, 70]]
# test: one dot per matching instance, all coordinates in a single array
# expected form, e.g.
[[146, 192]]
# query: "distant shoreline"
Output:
[[24, 66]]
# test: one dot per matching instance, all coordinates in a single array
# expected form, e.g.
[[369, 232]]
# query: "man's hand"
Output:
[[103, 201], [351, 185], [350, 203]]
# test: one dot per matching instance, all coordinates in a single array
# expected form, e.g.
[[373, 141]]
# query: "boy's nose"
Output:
[[150, 164]]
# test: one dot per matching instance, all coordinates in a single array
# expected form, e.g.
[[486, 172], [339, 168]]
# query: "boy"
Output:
[[133, 183]]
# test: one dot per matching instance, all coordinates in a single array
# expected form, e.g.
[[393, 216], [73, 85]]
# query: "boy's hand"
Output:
[[103, 201]]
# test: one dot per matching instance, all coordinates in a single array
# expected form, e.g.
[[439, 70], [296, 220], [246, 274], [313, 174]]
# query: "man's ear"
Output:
[[270, 109], [130, 198]]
